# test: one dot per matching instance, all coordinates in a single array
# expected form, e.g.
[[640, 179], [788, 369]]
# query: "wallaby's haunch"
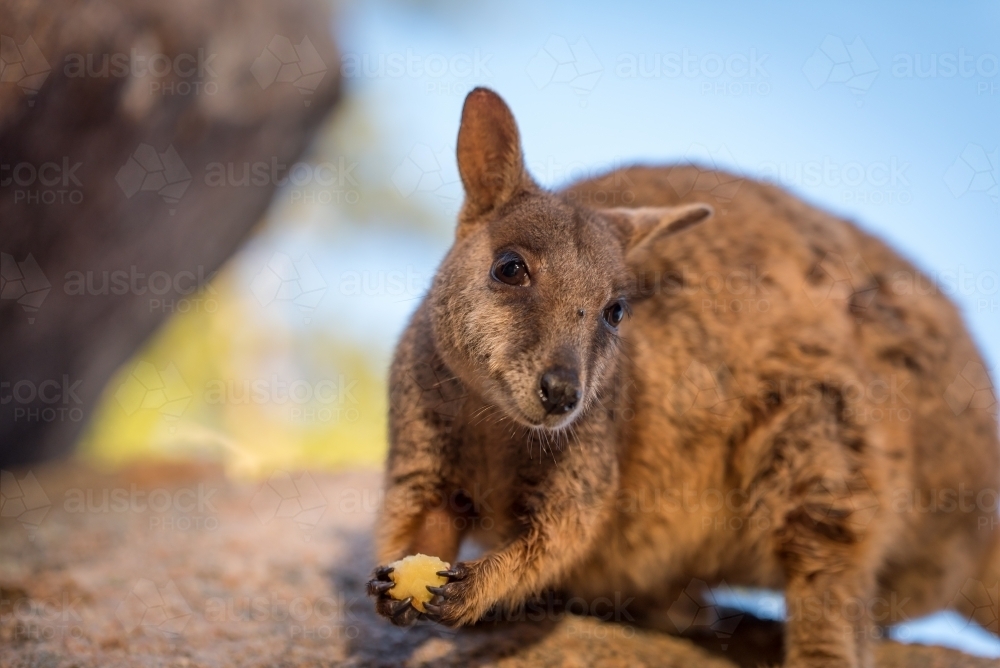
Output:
[[615, 389]]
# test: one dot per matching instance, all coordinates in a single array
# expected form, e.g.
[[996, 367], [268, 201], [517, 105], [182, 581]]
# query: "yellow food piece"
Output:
[[412, 574]]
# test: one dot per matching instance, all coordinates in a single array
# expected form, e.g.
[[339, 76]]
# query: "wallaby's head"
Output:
[[529, 306]]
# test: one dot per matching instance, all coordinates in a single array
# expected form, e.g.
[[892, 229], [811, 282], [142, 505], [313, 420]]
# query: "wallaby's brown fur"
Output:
[[780, 409]]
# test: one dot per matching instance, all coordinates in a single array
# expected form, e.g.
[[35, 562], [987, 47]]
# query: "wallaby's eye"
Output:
[[511, 269], [614, 314]]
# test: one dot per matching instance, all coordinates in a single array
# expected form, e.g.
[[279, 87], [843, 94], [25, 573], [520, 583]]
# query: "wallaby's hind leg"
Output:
[[827, 537]]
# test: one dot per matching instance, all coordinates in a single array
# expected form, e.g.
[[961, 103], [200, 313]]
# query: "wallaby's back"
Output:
[[780, 290]]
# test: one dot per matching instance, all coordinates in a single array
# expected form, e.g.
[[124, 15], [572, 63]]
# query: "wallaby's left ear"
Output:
[[644, 227], [489, 155]]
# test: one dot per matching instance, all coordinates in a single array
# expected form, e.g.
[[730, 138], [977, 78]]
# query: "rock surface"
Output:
[[114, 117], [174, 565]]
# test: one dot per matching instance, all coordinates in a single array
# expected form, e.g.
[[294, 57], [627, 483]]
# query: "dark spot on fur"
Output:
[[823, 521], [816, 275], [900, 358]]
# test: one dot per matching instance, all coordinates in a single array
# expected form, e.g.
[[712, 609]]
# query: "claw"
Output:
[[453, 573], [402, 613], [382, 572], [379, 587], [437, 591], [399, 607], [433, 610]]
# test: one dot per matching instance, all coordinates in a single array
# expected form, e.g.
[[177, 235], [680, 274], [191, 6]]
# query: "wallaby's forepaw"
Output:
[[458, 601], [400, 613]]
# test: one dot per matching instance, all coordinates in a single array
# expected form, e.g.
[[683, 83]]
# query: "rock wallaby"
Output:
[[669, 375]]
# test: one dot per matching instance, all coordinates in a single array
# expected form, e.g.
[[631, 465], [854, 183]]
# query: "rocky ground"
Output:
[[175, 565]]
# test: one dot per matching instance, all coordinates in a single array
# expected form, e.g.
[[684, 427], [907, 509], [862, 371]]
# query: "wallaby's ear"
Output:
[[644, 227], [489, 154]]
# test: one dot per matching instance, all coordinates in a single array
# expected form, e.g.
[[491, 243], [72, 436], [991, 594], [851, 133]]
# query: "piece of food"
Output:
[[413, 574]]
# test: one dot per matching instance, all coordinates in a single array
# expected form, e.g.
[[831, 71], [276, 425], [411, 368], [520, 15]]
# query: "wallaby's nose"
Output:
[[559, 390]]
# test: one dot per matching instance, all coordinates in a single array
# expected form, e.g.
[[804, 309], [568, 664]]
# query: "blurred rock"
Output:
[[173, 565], [114, 118]]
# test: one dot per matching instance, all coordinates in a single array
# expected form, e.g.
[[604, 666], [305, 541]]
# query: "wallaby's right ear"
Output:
[[489, 154], [644, 228]]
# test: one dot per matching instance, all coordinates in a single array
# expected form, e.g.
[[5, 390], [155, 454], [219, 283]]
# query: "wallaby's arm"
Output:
[[563, 514], [417, 516]]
